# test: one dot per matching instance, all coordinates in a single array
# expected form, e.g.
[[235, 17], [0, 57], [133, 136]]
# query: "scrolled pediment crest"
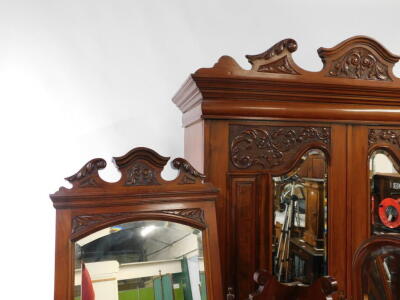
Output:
[[140, 167], [359, 57]]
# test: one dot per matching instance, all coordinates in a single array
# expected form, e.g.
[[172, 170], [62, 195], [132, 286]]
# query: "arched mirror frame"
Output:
[[387, 141], [140, 194]]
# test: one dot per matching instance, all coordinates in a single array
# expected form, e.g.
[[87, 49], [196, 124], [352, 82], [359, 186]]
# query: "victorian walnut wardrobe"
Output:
[[290, 151]]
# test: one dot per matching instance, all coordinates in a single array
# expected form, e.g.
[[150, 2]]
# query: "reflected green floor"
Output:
[[144, 294]]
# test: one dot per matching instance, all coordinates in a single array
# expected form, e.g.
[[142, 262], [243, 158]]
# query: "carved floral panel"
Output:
[[84, 222], [271, 147], [388, 136]]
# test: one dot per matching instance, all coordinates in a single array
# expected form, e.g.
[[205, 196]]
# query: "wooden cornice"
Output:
[[357, 77]]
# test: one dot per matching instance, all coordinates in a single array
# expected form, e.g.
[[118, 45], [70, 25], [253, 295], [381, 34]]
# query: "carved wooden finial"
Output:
[[359, 57], [187, 172], [276, 59], [87, 175]]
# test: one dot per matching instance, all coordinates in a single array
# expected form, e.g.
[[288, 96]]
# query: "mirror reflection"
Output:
[[380, 275], [142, 260], [300, 221], [385, 193]]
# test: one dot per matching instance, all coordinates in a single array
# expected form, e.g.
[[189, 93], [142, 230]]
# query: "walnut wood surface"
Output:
[[140, 194], [355, 97]]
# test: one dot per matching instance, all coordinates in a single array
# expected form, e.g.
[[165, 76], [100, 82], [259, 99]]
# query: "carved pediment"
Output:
[[140, 168], [359, 58]]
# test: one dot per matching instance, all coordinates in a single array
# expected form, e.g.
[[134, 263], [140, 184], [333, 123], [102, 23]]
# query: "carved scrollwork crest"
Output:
[[359, 63], [276, 59], [86, 176], [191, 174], [269, 147], [84, 223], [359, 57]]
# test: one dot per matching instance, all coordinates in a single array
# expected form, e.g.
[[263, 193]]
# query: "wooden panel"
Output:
[[63, 259], [273, 148], [337, 208], [243, 228], [358, 200], [216, 167], [194, 145]]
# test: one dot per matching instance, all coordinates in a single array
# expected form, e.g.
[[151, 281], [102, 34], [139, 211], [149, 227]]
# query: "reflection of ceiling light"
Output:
[[146, 230]]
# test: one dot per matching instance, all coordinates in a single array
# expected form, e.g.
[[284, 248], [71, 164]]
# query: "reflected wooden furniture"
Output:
[[140, 194], [270, 289], [376, 269], [242, 127]]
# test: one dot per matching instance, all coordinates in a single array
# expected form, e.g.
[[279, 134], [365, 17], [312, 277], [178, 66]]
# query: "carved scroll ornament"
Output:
[[276, 59], [269, 147], [359, 63], [82, 223]]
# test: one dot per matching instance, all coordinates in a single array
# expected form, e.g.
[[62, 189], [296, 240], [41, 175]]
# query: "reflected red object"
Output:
[[87, 286], [389, 212]]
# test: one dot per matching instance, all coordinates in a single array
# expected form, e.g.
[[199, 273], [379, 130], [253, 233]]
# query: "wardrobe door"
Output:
[[287, 202], [373, 184]]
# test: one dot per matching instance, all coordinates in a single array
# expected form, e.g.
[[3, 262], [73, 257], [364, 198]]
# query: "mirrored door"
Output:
[[300, 221]]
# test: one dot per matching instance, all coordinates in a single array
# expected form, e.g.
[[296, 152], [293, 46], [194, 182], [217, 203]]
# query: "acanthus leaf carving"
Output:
[[269, 146], [279, 66], [82, 223], [359, 63]]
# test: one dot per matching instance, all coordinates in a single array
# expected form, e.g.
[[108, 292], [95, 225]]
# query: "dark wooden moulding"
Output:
[[244, 126], [141, 194]]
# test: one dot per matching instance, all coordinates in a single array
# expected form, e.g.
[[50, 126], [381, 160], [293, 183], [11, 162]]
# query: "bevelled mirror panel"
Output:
[[385, 193], [300, 221], [141, 260]]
